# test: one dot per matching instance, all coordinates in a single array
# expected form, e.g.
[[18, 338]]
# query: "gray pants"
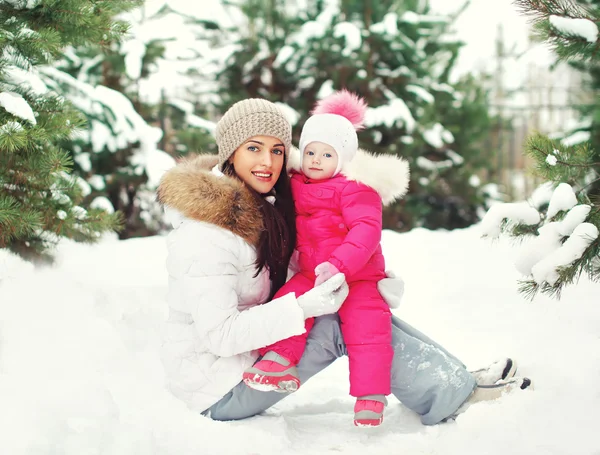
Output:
[[425, 377]]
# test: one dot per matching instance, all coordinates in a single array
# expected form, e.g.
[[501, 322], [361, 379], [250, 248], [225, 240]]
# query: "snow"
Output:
[[17, 106], [199, 122], [157, 164], [102, 203], [80, 372], [413, 18], [563, 198], [11, 127], [21, 4], [421, 93], [520, 212], [576, 216], [291, 114], [533, 251], [97, 181], [542, 256], [79, 212], [128, 127], [437, 135], [84, 161], [351, 34], [576, 138], [551, 160], [389, 25], [583, 28], [396, 112], [474, 181], [542, 194], [546, 270], [134, 50], [429, 165]]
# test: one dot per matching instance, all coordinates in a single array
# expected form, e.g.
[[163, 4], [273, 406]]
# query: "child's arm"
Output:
[[362, 211]]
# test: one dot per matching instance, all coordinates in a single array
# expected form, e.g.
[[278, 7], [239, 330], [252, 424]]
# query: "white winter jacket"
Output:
[[217, 315]]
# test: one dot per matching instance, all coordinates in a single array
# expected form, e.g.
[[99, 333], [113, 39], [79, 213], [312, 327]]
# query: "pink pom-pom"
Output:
[[346, 104]]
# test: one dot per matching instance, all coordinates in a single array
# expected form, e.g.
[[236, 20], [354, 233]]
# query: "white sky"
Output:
[[478, 27]]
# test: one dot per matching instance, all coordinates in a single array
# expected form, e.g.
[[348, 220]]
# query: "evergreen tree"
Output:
[[138, 117], [562, 229], [39, 199], [396, 54]]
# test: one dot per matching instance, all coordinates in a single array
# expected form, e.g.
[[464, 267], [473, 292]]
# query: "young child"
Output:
[[339, 222]]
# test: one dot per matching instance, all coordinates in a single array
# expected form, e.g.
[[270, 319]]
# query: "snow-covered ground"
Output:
[[80, 374]]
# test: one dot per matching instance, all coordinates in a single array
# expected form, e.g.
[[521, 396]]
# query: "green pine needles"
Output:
[[39, 198], [564, 244]]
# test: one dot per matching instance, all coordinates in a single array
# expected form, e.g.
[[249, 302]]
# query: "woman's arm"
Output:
[[210, 291]]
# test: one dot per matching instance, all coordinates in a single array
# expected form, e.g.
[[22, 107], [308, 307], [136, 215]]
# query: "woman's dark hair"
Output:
[[278, 238]]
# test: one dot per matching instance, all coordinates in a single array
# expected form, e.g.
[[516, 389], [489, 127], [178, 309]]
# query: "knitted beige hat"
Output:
[[247, 118]]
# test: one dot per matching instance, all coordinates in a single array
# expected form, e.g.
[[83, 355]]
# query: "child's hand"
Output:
[[325, 271]]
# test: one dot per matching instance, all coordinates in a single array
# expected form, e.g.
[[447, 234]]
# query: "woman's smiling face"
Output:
[[259, 162]]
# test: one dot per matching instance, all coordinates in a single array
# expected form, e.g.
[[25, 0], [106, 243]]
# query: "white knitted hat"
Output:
[[334, 122]]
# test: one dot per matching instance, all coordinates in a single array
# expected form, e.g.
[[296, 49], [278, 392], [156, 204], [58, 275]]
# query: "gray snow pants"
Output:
[[425, 377]]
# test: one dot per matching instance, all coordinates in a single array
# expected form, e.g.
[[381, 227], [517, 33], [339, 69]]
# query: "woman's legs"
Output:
[[323, 346], [425, 378]]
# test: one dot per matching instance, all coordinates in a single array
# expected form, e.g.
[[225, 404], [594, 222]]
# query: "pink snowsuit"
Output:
[[340, 221]]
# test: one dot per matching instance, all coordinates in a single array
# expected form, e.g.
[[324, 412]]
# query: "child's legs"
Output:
[[293, 347], [367, 329]]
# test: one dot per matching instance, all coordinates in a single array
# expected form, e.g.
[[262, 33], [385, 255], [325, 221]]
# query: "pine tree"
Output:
[[137, 113], [39, 198], [399, 56], [562, 227]]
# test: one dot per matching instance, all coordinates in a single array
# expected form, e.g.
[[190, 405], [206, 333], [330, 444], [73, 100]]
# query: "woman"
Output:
[[234, 234]]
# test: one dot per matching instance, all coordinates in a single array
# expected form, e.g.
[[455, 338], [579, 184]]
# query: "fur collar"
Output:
[[387, 174], [197, 193]]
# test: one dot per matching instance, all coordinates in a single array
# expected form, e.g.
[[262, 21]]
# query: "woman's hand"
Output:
[[326, 298]]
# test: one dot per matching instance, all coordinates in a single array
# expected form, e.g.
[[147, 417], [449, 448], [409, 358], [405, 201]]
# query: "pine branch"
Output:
[[39, 200], [568, 46], [557, 163]]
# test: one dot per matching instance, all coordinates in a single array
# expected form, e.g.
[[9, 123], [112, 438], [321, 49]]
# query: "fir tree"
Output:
[[396, 54], [136, 113], [39, 198], [562, 229]]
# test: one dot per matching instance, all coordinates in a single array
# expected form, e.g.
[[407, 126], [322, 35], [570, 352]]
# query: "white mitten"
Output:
[[391, 289], [326, 298]]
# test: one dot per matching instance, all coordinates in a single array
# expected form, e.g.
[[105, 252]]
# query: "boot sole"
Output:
[[524, 385], [367, 423], [263, 383]]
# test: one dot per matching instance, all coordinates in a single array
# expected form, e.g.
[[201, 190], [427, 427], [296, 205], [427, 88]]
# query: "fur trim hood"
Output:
[[389, 175], [196, 192]]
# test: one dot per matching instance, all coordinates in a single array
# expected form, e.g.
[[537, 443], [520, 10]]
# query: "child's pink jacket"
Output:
[[339, 220]]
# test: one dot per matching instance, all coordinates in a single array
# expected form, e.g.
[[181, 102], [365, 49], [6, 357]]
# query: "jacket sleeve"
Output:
[[210, 292], [362, 211]]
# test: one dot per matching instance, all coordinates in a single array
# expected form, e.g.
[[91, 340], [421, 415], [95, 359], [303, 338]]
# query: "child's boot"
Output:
[[368, 410], [272, 373]]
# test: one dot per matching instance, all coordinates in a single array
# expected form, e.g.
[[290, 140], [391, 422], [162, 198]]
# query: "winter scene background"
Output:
[[497, 112]]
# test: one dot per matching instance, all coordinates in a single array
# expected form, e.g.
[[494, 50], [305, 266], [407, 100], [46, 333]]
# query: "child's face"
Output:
[[319, 161]]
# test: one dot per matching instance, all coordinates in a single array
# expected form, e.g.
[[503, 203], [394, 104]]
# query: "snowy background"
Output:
[[79, 366], [80, 373]]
